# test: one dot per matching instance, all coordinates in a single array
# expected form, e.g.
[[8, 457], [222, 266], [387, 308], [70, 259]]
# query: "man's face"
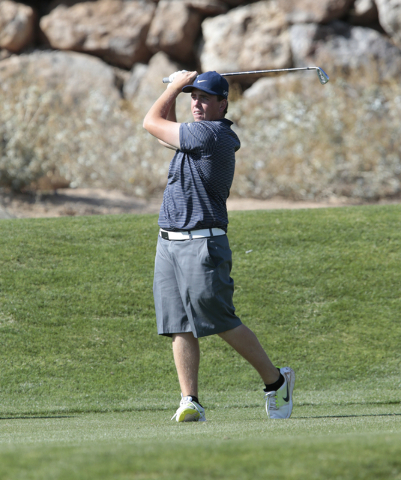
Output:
[[205, 106]]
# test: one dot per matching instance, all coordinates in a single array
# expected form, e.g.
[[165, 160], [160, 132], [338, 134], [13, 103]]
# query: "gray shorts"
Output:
[[192, 287]]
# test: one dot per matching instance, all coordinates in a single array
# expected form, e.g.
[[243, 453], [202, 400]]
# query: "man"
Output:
[[192, 287]]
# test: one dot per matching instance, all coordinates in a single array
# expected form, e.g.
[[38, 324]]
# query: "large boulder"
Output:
[[145, 84], [58, 118], [62, 117], [75, 75], [246, 38], [321, 11], [390, 18], [174, 30], [341, 47], [17, 25], [268, 92], [114, 30], [305, 141]]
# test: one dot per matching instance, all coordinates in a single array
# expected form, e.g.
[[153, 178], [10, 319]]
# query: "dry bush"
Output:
[[314, 142], [300, 141], [90, 141]]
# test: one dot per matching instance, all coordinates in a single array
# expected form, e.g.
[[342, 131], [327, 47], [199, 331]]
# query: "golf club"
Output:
[[322, 75]]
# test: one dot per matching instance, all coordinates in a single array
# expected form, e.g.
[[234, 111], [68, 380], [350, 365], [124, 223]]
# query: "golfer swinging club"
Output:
[[193, 290]]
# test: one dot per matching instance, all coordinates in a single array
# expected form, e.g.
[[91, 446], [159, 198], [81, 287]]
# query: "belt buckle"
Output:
[[164, 234]]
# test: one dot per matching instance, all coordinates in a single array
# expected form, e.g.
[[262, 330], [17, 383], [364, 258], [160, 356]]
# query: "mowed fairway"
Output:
[[87, 388]]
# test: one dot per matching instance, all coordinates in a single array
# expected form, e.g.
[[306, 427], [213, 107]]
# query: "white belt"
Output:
[[191, 234]]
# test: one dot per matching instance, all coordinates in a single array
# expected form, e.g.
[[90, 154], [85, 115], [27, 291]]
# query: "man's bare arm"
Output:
[[157, 120], [171, 117]]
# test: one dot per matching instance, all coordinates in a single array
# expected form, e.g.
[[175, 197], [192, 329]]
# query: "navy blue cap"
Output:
[[209, 82]]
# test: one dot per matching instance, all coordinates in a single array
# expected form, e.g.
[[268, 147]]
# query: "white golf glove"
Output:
[[173, 75]]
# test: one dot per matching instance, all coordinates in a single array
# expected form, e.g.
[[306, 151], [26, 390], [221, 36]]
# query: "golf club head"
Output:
[[323, 77]]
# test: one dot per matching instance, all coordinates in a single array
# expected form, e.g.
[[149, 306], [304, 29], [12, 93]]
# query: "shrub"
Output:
[[300, 141], [341, 141]]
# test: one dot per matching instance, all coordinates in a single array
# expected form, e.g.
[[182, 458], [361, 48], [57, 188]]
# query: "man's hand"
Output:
[[173, 75], [181, 78]]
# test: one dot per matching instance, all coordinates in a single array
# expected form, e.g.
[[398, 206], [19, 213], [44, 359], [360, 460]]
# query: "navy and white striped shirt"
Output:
[[200, 177]]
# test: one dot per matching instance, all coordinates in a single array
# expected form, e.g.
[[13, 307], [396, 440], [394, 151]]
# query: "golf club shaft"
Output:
[[277, 70], [323, 77]]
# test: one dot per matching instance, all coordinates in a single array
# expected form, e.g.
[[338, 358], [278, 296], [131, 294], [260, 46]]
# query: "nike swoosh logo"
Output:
[[200, 81], [287, 398]]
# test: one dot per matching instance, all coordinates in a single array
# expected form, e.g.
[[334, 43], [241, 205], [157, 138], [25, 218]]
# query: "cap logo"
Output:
[[215, 84]]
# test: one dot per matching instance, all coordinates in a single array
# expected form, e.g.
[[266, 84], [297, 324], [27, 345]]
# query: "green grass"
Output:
[[87, 388], [348, 443]]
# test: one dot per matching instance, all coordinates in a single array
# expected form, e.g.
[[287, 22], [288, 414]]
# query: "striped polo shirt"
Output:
[[200, 177]]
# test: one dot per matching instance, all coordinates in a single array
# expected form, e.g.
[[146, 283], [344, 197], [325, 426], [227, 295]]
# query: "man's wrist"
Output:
[[172, 93]]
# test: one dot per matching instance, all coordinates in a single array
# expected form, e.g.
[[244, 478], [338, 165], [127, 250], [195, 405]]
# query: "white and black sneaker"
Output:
[[189, 411], [279, 403]]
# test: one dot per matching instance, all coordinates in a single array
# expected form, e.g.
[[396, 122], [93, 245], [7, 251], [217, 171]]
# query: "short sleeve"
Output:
[[197, 138]]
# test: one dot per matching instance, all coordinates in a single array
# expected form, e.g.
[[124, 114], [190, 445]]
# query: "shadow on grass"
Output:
[[47, 417], [350, 416], [72, 413]]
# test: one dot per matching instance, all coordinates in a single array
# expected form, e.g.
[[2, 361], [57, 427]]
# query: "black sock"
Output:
[[276, 385], [194, 399]]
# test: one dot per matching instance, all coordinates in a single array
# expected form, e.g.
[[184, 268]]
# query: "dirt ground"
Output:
[[76, 202]]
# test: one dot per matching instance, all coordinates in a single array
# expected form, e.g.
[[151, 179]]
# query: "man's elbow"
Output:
[[149, 122], [146, 123]]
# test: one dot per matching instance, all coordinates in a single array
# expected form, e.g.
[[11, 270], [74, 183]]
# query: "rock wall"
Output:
[[111, 55], [221, 35], [207, 34]]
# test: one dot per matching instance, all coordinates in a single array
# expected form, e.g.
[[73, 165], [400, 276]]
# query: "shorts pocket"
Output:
[[219, 251], [205, 256]]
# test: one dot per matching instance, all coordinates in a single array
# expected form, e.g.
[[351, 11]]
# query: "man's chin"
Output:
[[197, 118]]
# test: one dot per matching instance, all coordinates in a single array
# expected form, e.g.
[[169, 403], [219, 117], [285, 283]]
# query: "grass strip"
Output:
[[77, 328]]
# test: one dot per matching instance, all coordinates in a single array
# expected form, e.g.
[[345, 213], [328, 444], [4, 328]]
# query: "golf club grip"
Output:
[[166, 80]]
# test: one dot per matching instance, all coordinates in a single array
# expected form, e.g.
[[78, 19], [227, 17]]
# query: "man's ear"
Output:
[[223, 105]]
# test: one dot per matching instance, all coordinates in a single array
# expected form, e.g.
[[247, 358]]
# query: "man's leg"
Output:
[[186, 358], [245, 342], [279, 386]]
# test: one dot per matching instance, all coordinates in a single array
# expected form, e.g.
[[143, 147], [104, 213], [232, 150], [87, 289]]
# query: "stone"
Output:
[[145, 84], [235, 3], [74, 74], [133, 82], [341, 47], [207, 7], [60, 120], [321, 11], [174, 30], [390, 18], [5, 215], [363, 12], [4, 54], [269, 91], [17, 26], [252, 37], [114, 30]]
